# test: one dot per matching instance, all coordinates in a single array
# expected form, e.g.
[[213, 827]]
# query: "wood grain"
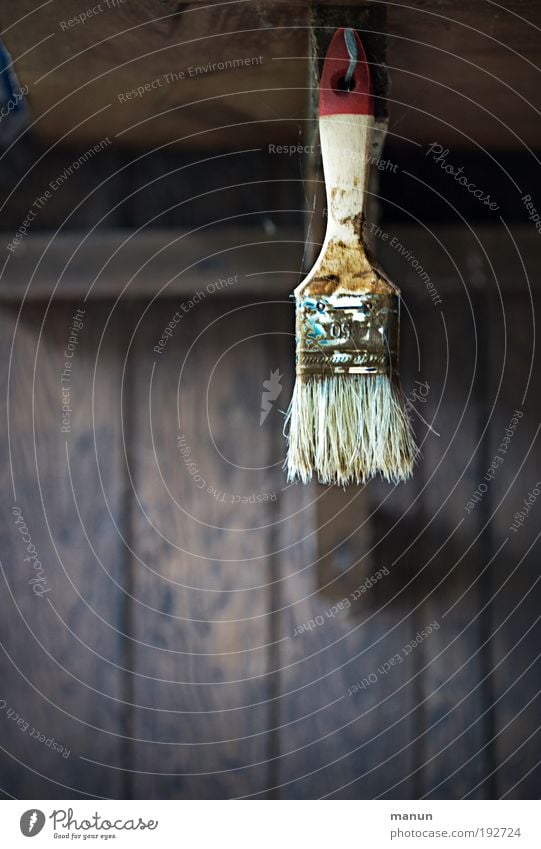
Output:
[[452, 661], [140, 264], [82, 77], [460, 74], [206, 489], [233, 693], [61, 637], [514, 633], [236, 262]]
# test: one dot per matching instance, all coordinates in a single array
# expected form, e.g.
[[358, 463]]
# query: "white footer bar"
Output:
[[271, 824]]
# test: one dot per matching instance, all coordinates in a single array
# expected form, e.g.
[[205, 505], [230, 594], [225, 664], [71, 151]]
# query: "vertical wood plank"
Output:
[[455, 553], [516, 585], [447, 408], [346, 704], [204, 491], [60, 635]]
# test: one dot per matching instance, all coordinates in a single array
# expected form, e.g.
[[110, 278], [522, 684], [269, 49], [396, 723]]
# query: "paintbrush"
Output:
[[347, 420]]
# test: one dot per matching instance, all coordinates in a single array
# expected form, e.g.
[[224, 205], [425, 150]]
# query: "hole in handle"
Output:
[[341, 86]]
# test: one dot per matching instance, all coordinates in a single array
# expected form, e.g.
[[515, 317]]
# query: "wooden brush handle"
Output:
[[346, 141], [345, 127]]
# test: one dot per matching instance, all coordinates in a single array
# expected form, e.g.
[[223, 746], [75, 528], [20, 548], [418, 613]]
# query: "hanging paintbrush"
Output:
[[347, 420]]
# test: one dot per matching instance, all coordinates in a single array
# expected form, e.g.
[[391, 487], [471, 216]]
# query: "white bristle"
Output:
[[346, 429]]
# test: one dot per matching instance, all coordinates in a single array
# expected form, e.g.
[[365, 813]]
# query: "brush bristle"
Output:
[[348, 428]]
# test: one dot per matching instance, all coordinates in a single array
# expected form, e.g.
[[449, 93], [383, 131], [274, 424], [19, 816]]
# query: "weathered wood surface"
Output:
[[62, 643], [207, 483], [106, 263], [464, 722], [515, 582], [185, 56], [452, 661], [347, 726], [449, 63], [200, 685], [235, 262], [207, 646]]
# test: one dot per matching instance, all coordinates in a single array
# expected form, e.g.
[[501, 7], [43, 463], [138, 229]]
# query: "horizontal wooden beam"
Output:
[[232, 262], [222, 75], [249, 263]]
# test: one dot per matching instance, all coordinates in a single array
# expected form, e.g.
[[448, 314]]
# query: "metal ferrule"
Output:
[[347, 334]]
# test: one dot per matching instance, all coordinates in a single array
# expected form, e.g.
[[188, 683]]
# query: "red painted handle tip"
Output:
[[335, 98]]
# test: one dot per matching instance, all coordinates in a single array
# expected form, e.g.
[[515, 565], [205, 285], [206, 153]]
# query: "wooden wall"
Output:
[[205, 622], [198, 628]]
